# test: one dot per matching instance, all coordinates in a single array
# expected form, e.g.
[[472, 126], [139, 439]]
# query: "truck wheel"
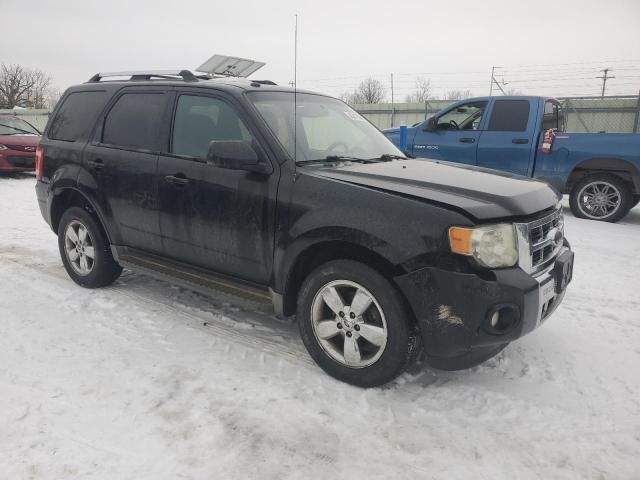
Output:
[[355, 325], [85, 253], [466, 360], [636, 201], [601, 196]]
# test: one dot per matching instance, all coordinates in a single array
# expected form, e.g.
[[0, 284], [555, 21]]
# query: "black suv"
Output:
[[294, 198]]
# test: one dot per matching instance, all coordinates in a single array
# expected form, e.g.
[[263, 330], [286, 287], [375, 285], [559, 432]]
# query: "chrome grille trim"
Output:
[[536, 248]]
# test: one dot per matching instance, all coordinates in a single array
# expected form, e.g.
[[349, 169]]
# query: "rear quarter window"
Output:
[[77, 115], [134, 121], [509, 116]]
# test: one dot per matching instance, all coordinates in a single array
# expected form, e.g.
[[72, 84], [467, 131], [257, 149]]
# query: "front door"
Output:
[[507, 144], [123, 160], [456, 137], [212, 217]]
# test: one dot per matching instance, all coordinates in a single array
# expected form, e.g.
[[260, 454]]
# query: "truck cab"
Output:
[[526, 135]]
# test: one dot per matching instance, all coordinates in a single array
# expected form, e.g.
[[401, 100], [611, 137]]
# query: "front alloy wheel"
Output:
[[349, 323], [355, 324]]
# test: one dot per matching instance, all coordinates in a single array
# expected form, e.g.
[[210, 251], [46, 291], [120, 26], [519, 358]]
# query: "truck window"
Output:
[[553, 116], [77, 115], [509, 116], [464, 117], [200, 120], [135, 120]]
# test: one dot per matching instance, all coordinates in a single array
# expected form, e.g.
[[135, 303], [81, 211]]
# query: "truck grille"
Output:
[[540, 241]]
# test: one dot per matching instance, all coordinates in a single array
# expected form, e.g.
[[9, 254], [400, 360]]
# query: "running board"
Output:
[[201, 281]]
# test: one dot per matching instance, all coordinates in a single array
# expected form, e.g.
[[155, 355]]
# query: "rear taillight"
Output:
[[39, 161]]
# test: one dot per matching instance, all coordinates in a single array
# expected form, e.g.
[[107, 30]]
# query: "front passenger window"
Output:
[[201, 120], [464, 117]]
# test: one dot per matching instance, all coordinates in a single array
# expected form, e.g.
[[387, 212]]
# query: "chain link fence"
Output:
[[613, 114]]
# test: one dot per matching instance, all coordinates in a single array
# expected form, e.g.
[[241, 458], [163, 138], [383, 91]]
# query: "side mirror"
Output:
[[431, 125], [235, 155]]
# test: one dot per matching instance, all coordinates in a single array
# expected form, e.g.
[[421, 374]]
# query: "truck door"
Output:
[[455, 136], [507, 144]]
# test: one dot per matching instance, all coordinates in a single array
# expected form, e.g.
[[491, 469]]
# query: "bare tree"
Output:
[[370, 90], [23, 87], [422, 91], [458, 94]]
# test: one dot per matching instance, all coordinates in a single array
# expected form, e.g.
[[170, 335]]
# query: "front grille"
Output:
[[24, 161], [540, 241]]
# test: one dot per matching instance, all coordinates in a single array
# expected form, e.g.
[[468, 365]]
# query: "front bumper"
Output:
[[454, 309], [11, 161]]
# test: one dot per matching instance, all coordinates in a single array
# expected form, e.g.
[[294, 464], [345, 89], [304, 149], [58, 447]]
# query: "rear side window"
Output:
[[135, 120], [553, 117], [509, 116], [77, 115]]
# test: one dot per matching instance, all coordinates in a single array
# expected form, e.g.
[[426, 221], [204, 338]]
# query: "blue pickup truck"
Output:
[[526, 136]]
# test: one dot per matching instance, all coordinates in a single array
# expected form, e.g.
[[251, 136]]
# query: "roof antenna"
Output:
[[295, 92]]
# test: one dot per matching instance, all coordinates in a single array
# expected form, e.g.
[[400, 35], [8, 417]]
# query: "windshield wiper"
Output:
[[16, 129], [336, 158], [387, 157]]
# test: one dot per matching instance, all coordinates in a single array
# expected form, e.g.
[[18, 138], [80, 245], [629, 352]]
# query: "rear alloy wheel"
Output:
[[601, 197], [355, 324], [85, 251]]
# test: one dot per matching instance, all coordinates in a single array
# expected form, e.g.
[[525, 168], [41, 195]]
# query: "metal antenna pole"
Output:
[[604, 79], [295, 92]]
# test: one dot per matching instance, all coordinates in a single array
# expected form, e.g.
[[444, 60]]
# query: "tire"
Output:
[[618, 191], [466, 360], [635, 201], [99, 271], [381, 312]]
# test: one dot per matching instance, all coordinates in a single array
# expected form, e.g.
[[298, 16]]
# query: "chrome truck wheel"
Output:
[[603, 197]]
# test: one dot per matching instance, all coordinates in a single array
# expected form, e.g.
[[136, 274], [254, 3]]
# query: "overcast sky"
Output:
[[549, 47]]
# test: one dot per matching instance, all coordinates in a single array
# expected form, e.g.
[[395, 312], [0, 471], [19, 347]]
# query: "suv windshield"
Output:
[[326, 128], [14, 126]]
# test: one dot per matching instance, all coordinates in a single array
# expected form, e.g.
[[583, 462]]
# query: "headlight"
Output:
[[2, 147], [493, 246]]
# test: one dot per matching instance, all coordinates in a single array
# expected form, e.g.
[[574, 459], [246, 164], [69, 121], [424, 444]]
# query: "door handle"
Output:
[[467, 140], [178, 179], [97, 164], [520, 141]]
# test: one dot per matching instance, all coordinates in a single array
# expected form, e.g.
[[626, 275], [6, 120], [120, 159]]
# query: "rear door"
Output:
[[507, 144], [211, 217], [457, 134], [123, 158]]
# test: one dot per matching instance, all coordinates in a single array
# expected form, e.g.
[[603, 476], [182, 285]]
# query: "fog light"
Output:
[[501, 319]]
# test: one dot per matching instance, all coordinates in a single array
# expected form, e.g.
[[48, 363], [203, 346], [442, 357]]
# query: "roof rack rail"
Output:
[[186, 75]]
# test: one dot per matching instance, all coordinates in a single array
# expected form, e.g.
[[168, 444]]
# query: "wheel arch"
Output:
[[323, 251], [71, 197], [624, 169]]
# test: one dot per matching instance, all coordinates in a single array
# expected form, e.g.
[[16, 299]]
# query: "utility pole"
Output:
[[494, 81], [393, 108], [493, 69], [604, 78]]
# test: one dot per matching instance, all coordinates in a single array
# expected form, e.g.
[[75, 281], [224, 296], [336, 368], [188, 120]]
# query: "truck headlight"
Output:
[[493, 246]]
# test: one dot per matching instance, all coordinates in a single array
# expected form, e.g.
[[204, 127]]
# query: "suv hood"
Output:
[[20, 139], [482, 193]]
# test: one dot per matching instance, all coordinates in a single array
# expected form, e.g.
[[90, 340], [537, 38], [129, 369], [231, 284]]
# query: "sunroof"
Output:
[[230, 66]]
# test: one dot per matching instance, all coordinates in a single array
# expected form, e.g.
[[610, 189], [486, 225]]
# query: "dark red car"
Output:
[[18, 142]]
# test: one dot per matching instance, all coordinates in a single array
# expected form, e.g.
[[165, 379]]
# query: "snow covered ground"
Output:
[[128, 382]]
